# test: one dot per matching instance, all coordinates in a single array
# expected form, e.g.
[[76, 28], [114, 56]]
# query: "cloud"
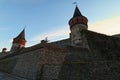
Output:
[[108, 26], [53, 35]]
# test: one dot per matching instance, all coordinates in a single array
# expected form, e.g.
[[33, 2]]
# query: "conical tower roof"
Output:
[[77, 12], [21, 35], [77, 18]]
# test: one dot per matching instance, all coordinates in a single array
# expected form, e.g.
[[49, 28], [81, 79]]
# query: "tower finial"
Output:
[[75, 3]]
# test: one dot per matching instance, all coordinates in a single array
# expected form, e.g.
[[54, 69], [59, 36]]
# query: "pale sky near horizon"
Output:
[[49, 18]]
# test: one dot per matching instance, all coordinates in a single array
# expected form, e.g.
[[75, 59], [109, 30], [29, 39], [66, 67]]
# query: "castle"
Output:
[[85, 55]]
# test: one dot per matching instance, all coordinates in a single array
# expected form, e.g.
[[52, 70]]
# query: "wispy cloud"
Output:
[[53, 35], [108, 26]]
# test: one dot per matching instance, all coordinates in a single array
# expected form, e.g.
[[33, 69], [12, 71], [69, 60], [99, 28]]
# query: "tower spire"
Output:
[[19, 41], [21, 35], [77, 12], [77, 18]]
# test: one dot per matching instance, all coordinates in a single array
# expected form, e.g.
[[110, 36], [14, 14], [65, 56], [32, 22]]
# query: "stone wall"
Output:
[[76, 65], [5, 76], [51, 61], [50, 72], [23, 65], [60, 61], [82, 64], [43, 62], [27, 64], [62, 43], [7, 65]]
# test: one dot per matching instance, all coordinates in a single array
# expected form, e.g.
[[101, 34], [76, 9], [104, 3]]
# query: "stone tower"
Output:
[[78, 23], [19, 41]]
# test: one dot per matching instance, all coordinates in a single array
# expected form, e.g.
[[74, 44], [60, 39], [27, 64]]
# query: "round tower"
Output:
[[77, 23], [19, 42]]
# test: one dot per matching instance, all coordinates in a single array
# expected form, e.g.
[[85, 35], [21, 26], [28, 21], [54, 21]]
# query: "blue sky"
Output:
[[49, 18]]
